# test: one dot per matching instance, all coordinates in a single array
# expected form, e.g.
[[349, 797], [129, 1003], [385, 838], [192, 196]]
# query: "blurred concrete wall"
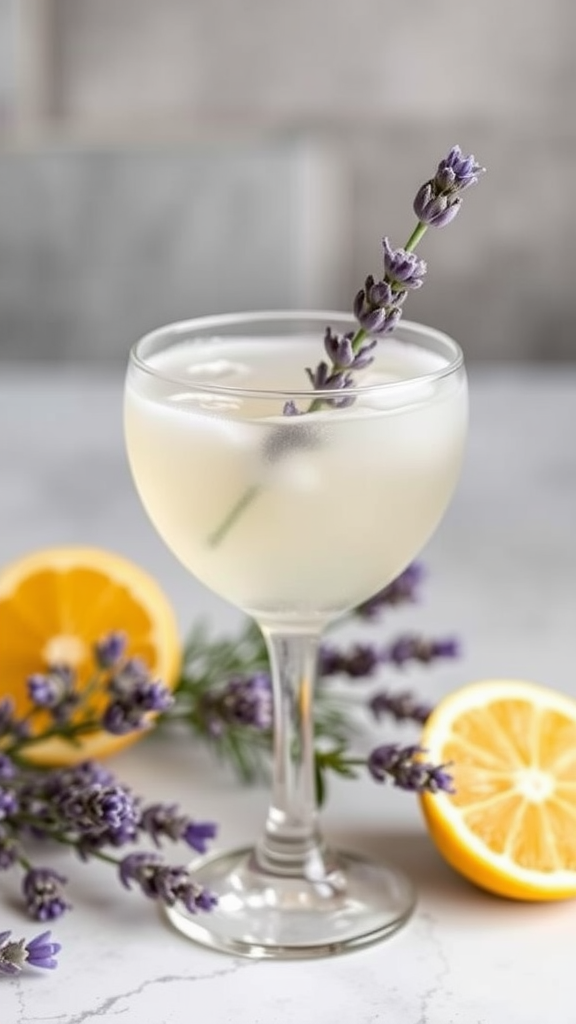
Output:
[[164, 159]]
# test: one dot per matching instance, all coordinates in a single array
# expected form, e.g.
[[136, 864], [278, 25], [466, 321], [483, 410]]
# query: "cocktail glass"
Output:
[[294, 513]]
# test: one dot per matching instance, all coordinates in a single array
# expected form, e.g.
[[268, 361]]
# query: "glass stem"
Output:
[[291, 842]]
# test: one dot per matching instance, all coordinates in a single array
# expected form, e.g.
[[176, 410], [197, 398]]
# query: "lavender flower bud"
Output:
[[8, 802], [417, 648], [7, 767], [324, 379], [403, 706], [377, 306], [403, 269], [55, 691], [435, 210], [100, 814], [135, 696], [456, 171], [244, 700], [361, 661], [290, 409], [197, 833], [404, 766], [50, 690], [110, 649], [437, 201], [162, 820], [41, 951], [43, 894], [339, 348], [402, 589], [161, 882]]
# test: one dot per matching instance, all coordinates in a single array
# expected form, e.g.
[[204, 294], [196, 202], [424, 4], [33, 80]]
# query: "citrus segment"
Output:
[[55, 604], [510, 825]]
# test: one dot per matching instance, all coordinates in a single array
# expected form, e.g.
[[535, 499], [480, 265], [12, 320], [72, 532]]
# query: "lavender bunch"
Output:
[[84, 807], [225, 693], [119, 698], [378, 305]]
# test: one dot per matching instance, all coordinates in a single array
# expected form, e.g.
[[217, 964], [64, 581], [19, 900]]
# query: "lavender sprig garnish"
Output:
[[377, 307], [84, 807], [38, 952], [131, 698]]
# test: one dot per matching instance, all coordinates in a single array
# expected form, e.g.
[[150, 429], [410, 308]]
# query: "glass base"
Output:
[[353, 903]]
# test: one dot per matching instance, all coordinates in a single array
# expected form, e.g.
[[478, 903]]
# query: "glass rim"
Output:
[[212, 321]]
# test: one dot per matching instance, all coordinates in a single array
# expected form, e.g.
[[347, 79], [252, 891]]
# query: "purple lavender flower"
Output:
[[100, 814], [377, 306], [39, 952], [244, 700], [54, 691], [45, 691], [457, 171], [405, 767], [162, 882], [110, 649], [248, 701], [344, 357], [7, 767], [198, 833], [134, 695], [291, 409], [325, 378], [402, 589], [43, 894], [435, 210], [438, 201], [418, 648], [403, 269], [80, 776], [8, 802], [361, 660], [403, 706], [163, 820]]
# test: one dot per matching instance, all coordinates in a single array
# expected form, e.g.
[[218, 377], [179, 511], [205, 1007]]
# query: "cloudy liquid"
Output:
[[331, 505]]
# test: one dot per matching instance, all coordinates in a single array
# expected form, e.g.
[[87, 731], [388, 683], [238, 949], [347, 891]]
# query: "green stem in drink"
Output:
[[251, 493], [236, 511]]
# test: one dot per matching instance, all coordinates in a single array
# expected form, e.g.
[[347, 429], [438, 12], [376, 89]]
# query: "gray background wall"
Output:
[[164, 159]]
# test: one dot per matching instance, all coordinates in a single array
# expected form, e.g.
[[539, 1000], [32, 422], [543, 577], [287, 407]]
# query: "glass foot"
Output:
[[347, 903]]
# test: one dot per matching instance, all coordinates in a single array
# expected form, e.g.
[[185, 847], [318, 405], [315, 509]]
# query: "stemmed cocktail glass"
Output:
[[294, 518]]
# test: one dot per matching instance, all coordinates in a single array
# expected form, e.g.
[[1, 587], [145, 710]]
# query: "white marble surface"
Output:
[[502, 571]]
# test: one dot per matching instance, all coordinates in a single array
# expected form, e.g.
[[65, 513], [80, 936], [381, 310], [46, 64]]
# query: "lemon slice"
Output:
[[55, 604], [510, 827]]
